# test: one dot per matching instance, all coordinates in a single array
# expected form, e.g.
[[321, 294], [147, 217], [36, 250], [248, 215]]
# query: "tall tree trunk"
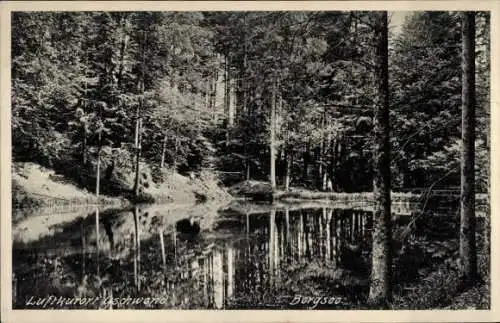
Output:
[[288, 161], [162, 246], [137, 150], [321, 168], [232, 98], [244, 94], [123, 50], [138, 121], [163, 151], [98, 166], [306, 162], [333, 160], [272, 139], [487, 224], [213, 88], [287, 149], [247, 171], [227, 89], [176, 148], [84, 146], [244, 71], [468, 258], [208, 81], [326, 150], [380, 286], [227, 98], [213, 93]]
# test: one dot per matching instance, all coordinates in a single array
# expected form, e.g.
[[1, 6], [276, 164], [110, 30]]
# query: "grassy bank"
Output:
[[37, 186], [302, 194], [262, 191]]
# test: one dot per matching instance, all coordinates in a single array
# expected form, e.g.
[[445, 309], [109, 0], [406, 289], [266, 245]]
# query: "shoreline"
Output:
[[160, 195], [36, 187]]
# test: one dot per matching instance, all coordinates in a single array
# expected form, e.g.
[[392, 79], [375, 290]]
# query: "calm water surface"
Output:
[[246, 256]]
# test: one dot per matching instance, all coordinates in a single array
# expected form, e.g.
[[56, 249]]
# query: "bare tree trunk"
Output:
[[380, 287], [163, 151], [213, 93], [84, 147], [232, 98], [487, 222], [468, 257], [244, 72], [247, 170], [207, 92], [272, 139], [244, 89], [332, 164], [226, 97], [137, 151], [288, 157], [306, 155], [213, 89], [123, 50], [226, 87], [321, 168], [176, 148], [138, 121], [162, 245], [326, 148]]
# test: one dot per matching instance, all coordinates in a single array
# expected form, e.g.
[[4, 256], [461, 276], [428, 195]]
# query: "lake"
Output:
[[246, 256]]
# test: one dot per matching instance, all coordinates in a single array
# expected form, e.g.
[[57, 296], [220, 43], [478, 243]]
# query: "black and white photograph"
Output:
[[250, 159]]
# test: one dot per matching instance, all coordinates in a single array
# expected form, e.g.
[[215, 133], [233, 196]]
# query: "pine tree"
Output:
[[468, 256], [380, 287]]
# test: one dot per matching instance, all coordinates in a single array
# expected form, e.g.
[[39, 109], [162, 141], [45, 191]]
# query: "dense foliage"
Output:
[[195, 90]]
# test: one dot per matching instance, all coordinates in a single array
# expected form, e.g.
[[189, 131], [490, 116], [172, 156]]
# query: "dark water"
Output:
[[248, 257]]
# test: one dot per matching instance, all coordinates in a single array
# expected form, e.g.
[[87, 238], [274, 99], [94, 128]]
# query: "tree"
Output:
[[272, 137], [380, 287], [468, 261], [305, 73], [425, 93], [45, 80]]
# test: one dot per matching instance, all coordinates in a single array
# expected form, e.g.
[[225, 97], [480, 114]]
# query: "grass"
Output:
[[443, 288], [437, 283]]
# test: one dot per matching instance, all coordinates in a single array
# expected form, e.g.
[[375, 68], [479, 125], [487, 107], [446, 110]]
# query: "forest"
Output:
[[120, 104], [230, 91]]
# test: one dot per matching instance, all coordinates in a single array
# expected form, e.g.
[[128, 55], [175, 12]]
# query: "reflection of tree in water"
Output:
[[255, 267], [250, 262]]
